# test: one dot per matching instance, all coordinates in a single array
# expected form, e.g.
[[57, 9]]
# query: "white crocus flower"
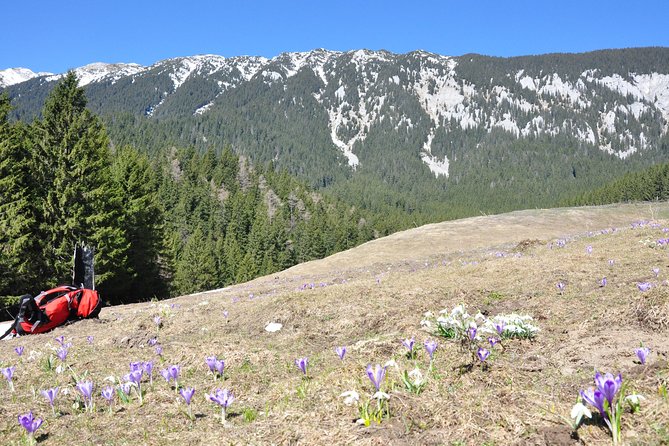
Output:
[[416, 376], [351, 397], [579, 411], [635, 399], [391, 363], [381, 396]]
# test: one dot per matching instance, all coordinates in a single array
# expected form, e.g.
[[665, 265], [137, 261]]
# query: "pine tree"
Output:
[[81, 202], [20, 254]]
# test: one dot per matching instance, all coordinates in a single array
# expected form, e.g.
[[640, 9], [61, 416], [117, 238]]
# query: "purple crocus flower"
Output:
[[108, 393], [341, 352], [603, 282], [137, 365], [89, 339], [376, 375], [219, 365], [482, 354], [656, 271], [500, 327], [430, 347], [19, 350], [643, 286], [225, 314], [588, 249], [158, 321], [493, 341], [126, 387], [174, 371], [223, 398], [62, 353], [409, 343], [8, 372], [86, 389], [642, 353], [50, 395], [471, 333], [148, 369], [61, 340], [153, 341], [159, 350], [166, 374], [135, 377], [608, 385], [29, 423], [211, 363], [611, 262], [187, 394], [560, 286], [302, 364], [595, 398]]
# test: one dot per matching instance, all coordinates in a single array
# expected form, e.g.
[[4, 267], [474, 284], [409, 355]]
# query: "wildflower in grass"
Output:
[[125, 389], [611, 262], [19, 350], [86, 389], [30, 424], [61, 340], [577, 413], [153, 341], [409, 344], [656, 271], [560, 286], [341, 352], [605, 399], [50, 395], [414, 381], [376, 375], [223, 398], [471, 333], [493, 341], [588, 249], [225, 314], [62, 353], [431, 347], [135, 377], [302, 364], [211, 363], [158, 321], [8, 373], [643, 286], [634, 402], [166, 374], [147, 367], [89, 339], [159, 350], [482, 354], [108, 394], [500, 327], [172, 373], [603, 282], [642, 353], [134, 366], [351, 397], [187, 394]]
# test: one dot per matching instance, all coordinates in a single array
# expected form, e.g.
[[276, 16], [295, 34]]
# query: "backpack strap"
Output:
[[27, 306]]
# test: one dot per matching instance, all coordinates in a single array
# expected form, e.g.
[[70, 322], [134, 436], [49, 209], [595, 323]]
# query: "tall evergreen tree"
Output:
[[81, 202], [20, 255]]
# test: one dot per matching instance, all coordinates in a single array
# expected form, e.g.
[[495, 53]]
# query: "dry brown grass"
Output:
[[516, 401]]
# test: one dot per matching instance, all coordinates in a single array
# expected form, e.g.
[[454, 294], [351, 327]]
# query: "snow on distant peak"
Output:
[[98, 71], [12, 76]]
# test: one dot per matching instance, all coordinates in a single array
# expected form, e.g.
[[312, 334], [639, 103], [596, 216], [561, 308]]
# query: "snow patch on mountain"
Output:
[[99, 72], [13, 76], [652, 88], [203, 109]]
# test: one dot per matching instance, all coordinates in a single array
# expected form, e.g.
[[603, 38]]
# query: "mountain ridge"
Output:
[[437, 121]]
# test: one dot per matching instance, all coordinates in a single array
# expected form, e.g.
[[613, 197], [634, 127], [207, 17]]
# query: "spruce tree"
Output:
[[21, 261], [80, 202]]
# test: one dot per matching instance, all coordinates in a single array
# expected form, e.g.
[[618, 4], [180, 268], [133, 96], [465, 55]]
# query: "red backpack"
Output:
[[54, 307]]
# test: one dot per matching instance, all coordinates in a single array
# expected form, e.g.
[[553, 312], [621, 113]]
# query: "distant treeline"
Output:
[[169, 223], [646, 185]]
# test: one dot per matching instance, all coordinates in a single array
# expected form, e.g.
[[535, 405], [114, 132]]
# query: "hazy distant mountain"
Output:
[[529, 128]]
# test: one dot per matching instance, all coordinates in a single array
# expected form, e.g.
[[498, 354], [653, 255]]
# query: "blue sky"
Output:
[[50, 35]]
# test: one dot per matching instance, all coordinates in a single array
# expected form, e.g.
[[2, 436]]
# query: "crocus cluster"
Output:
[[216, 366], [604, 398], [30, 424], [171, 373]]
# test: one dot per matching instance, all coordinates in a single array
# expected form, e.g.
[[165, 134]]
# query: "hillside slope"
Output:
[[369, 299]]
